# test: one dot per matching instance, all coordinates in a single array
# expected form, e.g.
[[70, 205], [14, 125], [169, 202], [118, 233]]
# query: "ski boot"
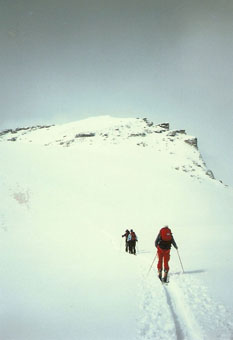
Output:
[[165, 277], [160, 275]]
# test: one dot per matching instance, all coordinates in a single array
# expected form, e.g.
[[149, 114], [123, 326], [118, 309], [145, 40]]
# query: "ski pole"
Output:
[[152, 264], [180, 261]]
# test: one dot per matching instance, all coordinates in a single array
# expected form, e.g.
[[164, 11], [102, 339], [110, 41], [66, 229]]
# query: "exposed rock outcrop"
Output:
[[84, 135], [192, 141], [210, 174], [164, 126], [174, 133]]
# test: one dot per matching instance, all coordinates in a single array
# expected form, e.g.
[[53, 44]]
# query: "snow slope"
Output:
[[69, 192]]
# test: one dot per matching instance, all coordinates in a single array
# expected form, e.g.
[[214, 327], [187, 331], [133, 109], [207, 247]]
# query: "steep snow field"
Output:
[[64, 274]]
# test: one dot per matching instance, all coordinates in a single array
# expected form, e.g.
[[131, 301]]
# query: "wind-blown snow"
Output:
[[67, 195]]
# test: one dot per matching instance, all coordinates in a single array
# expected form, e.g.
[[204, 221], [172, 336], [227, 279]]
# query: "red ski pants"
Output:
[[164, 257]]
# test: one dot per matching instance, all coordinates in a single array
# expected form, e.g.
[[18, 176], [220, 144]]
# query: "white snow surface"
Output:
[[67, 195]]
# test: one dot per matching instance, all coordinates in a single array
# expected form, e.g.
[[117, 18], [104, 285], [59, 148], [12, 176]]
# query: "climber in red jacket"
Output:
[[163, 244]]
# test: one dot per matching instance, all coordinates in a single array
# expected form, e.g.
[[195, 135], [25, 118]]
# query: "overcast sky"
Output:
[[168, 60]]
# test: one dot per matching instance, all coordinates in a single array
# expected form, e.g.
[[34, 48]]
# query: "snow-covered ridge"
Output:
[[104, 127], [104, 130]]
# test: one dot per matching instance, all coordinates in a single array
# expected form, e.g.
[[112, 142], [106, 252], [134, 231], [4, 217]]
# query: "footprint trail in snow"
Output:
[[181, 310]]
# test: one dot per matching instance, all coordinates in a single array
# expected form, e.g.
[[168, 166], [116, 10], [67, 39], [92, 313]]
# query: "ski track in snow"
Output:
[[181, 310]]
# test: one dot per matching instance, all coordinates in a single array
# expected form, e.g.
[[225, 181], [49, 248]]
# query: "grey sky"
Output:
[[169, 60]]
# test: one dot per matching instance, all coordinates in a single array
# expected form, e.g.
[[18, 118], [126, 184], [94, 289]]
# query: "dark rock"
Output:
[[142, 144], [84, 135], [148, 122], [4, 132], [210, 174], [164, 126], [143, 134], [175, 132], [20, 129], [160, 131], [192, 142]]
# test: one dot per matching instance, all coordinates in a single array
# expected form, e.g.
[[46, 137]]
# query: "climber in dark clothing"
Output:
[[126, 234], [132, 239]]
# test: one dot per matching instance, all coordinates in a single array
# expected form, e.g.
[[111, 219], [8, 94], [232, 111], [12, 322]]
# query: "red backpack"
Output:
[[133, 236], [166, 234]]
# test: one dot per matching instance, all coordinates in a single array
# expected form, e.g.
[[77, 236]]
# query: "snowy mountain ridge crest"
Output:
[[103, 131], [103, 126]]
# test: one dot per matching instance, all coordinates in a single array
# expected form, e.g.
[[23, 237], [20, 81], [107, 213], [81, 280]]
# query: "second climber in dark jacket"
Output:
[[126, 234]]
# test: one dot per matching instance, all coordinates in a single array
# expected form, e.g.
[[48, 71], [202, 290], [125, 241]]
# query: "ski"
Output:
[[162, 281], [165, 283]]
